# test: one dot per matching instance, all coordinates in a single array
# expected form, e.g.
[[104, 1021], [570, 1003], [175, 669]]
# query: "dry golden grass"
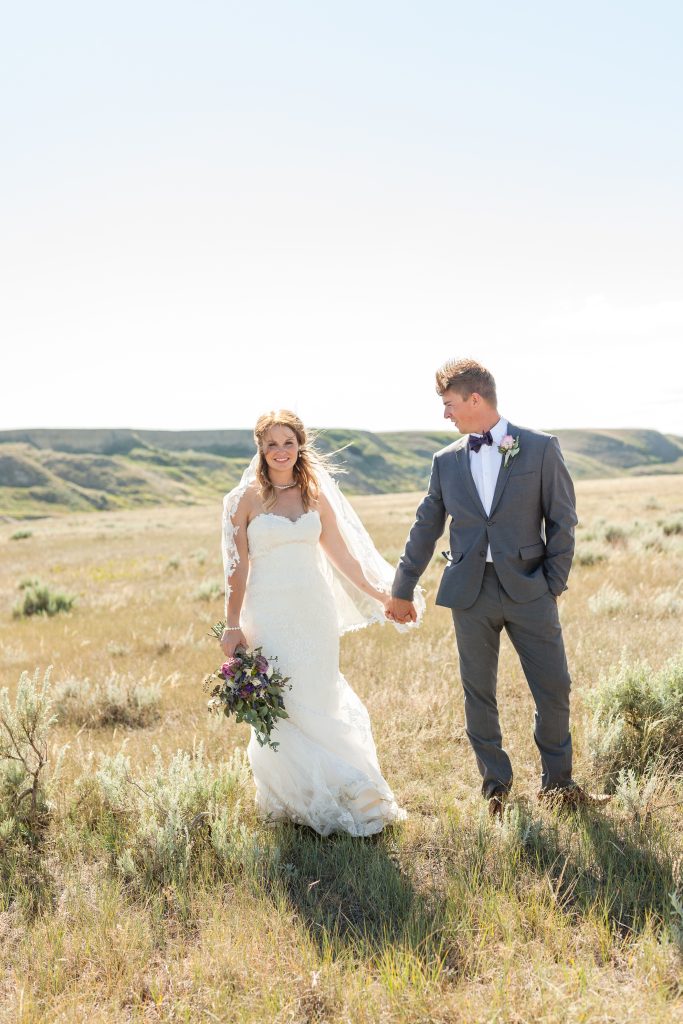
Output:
[[445, 918]]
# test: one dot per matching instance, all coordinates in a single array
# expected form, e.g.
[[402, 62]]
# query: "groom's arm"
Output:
[[559, 510], [430, 520]]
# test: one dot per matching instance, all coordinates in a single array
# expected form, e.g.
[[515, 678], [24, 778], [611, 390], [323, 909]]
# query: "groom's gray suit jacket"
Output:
[[530, 527]]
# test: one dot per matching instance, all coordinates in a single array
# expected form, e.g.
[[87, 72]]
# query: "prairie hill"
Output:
[[48, 471]]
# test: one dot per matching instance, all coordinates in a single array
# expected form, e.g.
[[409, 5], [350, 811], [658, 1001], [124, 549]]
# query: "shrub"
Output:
[[24, 798], [24, 730], [116, 701], [38, 599], [169, 820], [668, 602], [638, 719], [21, 535], [209, 590], [607, 601], [588, 556], [615, 535], [673, 529], [638, 794], [173, 563], [117, 650]]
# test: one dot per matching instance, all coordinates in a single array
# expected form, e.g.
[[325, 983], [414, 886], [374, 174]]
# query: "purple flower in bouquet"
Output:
[[230, 667], [261, 663]]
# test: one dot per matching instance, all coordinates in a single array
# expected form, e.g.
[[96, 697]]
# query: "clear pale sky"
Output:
[[210, 209]]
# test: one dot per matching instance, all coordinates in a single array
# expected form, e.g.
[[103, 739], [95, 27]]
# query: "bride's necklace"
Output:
[[283, 487]]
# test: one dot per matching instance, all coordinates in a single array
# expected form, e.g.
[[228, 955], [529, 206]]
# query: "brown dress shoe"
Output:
[[571, 797], [496, 802]]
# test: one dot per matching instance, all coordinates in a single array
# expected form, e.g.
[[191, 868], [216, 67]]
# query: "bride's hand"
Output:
[[231, 639]]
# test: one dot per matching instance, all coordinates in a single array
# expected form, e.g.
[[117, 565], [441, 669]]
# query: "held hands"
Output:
[[231, 639], [398, 610]]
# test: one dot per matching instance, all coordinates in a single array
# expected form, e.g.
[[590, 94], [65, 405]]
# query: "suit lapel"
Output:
[[503, 472], [462, 457]]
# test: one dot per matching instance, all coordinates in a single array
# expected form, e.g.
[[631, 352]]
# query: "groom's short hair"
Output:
[[466, 376]]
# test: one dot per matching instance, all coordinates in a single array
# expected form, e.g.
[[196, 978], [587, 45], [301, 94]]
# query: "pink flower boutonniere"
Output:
[[508, 448]]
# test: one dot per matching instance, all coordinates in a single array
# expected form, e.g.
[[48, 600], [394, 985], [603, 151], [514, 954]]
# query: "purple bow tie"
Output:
[[476, 441]]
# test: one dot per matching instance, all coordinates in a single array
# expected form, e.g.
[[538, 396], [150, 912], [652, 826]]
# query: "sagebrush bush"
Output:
[[669, 601], [209, 590], [638, 719], [38, 599], [607, 601], [162, 823], [118, 700], [24, 739], [589, 556], [117, 650], [21, 535], [673, 528], [615, 535], [25, 805]]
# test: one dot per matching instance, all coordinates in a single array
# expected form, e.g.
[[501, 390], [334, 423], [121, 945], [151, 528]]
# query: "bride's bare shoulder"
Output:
[[247, 504], [322, 506]]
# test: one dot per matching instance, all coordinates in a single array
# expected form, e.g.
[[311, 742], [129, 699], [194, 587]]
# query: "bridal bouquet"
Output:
[[249, 687]]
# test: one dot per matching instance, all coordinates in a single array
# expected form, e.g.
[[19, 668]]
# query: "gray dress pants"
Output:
[[535, 631]]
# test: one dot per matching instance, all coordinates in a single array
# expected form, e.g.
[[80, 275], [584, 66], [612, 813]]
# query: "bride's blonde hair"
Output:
[[304, 467]]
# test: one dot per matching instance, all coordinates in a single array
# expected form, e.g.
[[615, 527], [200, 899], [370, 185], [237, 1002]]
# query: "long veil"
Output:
[[355, 609]]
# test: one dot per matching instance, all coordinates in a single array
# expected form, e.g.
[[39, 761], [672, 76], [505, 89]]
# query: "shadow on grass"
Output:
[[352, 894], [598, 865]]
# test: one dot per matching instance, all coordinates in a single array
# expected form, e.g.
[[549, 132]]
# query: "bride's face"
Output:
[[280, 448]]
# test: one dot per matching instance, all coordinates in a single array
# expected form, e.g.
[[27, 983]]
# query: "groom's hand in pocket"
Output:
[[401, 611]]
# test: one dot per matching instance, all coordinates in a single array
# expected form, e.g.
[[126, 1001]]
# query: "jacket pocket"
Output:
[[532, 550], [452, 556]]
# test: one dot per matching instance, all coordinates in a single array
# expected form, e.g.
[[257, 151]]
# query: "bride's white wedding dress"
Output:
[[325, 772]]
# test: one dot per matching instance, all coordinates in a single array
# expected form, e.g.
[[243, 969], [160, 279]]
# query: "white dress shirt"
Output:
[[485, 466]]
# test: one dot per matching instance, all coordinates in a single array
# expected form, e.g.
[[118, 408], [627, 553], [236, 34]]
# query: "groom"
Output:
[[512, 516]]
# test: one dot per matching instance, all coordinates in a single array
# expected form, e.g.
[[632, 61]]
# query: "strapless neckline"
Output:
[[274, 515]]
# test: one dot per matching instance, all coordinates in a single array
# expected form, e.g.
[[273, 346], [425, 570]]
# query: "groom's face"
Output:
[[463, 413]]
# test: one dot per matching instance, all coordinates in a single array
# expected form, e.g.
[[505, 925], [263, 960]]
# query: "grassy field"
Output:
[[151, 893]]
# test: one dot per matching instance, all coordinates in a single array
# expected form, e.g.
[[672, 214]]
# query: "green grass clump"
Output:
[[673, 528], [38, 599], [638, 719], [21, 535]]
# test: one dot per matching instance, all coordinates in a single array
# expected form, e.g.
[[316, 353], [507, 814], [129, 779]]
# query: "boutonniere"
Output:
[[508, 448]]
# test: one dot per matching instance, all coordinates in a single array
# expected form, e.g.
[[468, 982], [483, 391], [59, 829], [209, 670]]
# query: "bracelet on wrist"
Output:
[[227, 629]]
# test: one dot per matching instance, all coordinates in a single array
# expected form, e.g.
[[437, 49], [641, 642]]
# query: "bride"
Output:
[[300, 569]]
